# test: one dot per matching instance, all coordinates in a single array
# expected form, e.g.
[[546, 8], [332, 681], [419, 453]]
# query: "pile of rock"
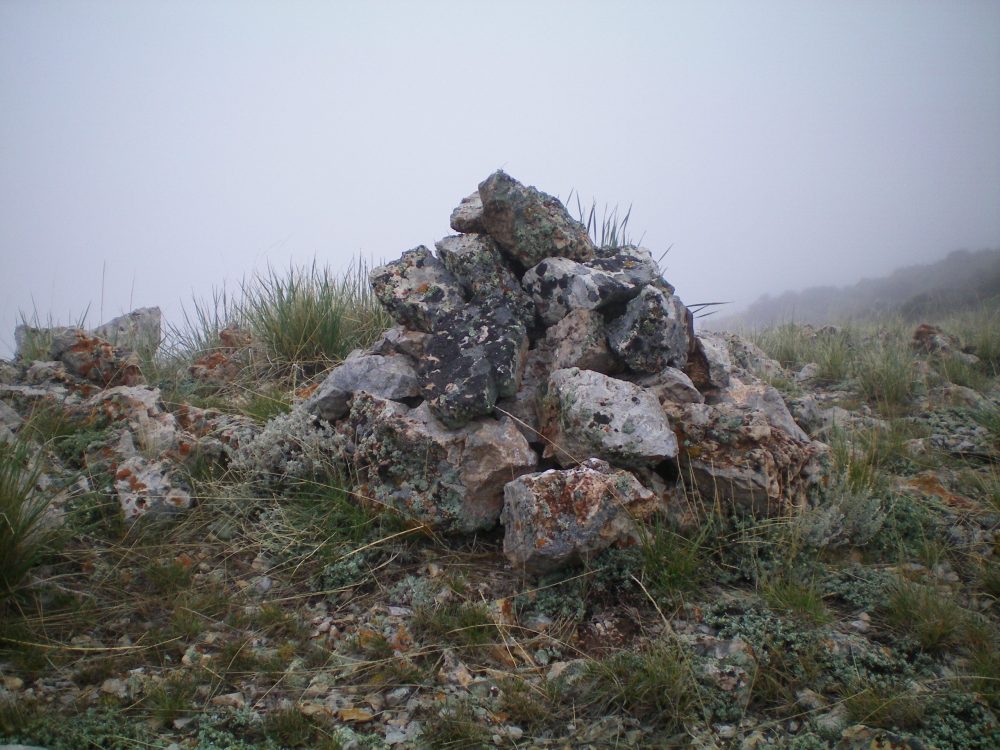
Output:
[[536, 380]]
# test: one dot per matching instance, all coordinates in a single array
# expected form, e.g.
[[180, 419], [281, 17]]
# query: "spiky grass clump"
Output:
[[24, 535]]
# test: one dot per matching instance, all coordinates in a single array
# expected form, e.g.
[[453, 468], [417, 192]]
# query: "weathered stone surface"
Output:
[[138, 330], [672, 387], [417, 289], [580, 340], [391, 377], [227, 362], [484, 274], [46, 372], [529, 225], [717, 359], [451, 480], [559, 285], [654, 333], [735, 456], [400, 340], [473, 358], [557, 517], [94, 359], [523, 406], [148, 488], [587, 414], [758, 396], [933, 340], [155, 428], [468, 215]]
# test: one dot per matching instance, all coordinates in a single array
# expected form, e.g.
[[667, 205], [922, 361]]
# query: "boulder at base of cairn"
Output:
[[736, 456], [587, 414], [450, 480], [557, 517]]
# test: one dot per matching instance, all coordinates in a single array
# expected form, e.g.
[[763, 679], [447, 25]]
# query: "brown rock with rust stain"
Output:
[[555, 517], [94, 359]]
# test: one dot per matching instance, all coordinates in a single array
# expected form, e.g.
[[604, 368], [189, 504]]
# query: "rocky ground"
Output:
[[617, 533]]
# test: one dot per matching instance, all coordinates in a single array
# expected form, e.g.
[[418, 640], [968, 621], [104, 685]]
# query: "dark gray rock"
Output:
[[474, 358], [655, 332], [587, 414], [528, 224], [557, 517], [484, 274], [560, 285], [451, 480], [391, 377], [417, 289]]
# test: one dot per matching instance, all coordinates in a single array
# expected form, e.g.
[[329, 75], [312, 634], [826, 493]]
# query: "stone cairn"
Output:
[[558, 388]]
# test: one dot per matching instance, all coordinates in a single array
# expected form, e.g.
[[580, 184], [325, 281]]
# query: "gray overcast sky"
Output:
[[150, 151]]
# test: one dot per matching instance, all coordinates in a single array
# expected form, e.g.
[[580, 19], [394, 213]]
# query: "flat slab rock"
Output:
[[530, 225], [557, 517], [391, 377], [450, 480], [588, 414]]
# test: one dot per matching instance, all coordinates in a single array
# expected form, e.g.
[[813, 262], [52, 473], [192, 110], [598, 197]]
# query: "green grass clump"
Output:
[[455, 726], [884, 370], [461, 623], [24, 535], [931, 618], [655, 685]]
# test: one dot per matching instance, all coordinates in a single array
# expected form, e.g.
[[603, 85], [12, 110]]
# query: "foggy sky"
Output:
[[150, 151]]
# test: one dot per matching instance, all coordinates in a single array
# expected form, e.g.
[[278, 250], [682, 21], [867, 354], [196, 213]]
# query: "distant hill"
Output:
[[962, 280]]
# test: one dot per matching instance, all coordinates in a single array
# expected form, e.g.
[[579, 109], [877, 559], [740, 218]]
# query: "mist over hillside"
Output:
[[963, 280]]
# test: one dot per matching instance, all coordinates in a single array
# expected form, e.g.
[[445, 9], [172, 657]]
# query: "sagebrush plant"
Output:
[[25, 536]]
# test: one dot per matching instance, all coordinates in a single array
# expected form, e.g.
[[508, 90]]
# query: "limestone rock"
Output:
[[391, 377], [717, 359], [484, 274], [474, 357], [587, 414], [523, 406], [735, 456], [400, 340], [155, 429], [468, 215], [557, 517], [138, 330], [529, 225], [94, 359], [148, 488], [417, 289], [560, 285], [655, 332], [580, 340], [760, 397], [451, 480], [672, 387]]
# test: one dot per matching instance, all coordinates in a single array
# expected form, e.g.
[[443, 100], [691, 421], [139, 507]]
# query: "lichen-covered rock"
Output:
[[451, 480], [417, 289], [484, 274], [736, 457], [529, 225], [400, 340], [587, 414], [468, 215], [148, 488], [473, 358], [580, 340], [94, 359], [655, 332], [523, 406], [560, 285], [141, 409], [392, 377], [717, 360], [758, 396], [557, 517]]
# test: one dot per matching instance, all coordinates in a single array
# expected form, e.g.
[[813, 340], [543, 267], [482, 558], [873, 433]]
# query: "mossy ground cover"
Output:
[[265, 618]]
